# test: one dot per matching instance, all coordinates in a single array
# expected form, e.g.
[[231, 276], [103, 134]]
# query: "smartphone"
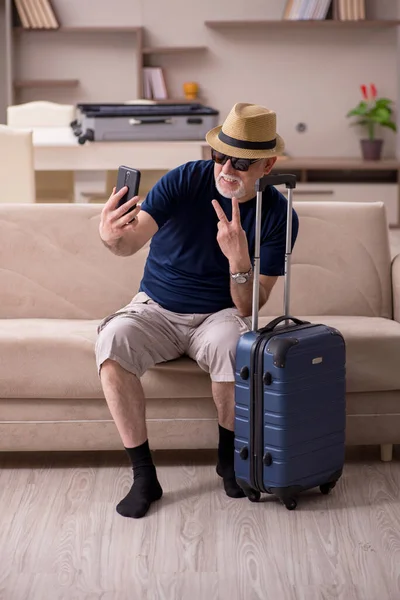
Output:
[[130, 178]]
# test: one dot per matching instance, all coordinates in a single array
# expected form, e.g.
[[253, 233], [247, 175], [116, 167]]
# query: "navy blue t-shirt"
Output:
[[186, 271]]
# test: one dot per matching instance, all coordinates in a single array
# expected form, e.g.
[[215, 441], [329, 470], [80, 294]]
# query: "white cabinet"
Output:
[[351, 192]]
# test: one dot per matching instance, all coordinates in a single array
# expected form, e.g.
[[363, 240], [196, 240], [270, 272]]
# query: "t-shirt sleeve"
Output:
[[273, 247], [164, 198]]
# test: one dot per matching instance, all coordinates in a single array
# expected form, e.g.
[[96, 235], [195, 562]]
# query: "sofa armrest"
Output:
[[396, 287]]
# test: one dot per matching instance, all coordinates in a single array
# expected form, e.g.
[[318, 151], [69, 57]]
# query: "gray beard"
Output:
[[237, 194]]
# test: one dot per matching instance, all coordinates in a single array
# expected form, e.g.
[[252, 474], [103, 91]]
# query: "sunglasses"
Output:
[[240, 164]]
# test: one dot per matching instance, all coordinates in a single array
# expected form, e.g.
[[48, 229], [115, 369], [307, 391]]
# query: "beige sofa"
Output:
[[57, 281]]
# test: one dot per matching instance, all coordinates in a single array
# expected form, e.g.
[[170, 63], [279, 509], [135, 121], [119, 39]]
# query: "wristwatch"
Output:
[[242, 277]]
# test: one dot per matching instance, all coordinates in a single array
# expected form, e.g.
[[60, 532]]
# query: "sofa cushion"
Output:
[[51, 358], [53, 264], [340, 262], [54, 358], [372, 350]]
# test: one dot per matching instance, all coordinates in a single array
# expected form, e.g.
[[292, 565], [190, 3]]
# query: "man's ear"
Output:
[[269, 164]]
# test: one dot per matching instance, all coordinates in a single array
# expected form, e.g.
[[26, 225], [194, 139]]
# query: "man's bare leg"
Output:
[[125, 398], [224, 398]]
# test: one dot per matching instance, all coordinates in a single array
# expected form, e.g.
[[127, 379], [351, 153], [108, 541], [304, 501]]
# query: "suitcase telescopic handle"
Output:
[[280, 179], [290, 181]]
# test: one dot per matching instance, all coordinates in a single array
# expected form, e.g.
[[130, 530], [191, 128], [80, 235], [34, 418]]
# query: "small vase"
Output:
[[191, 89], [371, 149]]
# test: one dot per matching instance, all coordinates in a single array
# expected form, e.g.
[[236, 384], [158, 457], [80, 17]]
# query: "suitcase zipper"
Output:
[[256, 411], [259, 414], [253, 360]]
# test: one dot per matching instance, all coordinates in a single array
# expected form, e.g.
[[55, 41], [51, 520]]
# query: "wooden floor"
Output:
[[61, 538]]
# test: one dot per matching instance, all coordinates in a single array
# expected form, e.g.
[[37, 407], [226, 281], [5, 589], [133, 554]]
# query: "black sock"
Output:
[[225, 466], [145, 489]]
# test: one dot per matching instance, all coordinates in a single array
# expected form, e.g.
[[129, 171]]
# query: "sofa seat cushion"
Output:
[[54, 358], [372, 350]]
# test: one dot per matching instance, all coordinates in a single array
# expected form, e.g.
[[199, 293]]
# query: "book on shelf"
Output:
[[49, 15], [154, 86], [342, 10], [351, 10], [22, 15], [306, 10], [36, 14]]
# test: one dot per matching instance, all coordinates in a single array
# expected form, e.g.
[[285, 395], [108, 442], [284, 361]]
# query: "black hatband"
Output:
[[245, 144]]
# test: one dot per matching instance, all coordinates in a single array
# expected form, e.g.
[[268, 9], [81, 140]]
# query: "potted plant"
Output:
[[371, 112]]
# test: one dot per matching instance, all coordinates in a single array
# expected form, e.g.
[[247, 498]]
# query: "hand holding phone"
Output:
[[131, 179], [115, 221]]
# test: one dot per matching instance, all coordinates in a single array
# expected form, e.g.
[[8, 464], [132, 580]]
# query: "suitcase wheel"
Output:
[[290, 503], [253, 495], [325, 488]]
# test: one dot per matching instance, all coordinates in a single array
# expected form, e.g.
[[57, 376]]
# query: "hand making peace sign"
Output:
[[232, 238]]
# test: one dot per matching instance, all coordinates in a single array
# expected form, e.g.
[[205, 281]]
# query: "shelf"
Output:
[[342, 164], [172, 49], [306, 23], [110, 29], [43, 83], [170, 101]]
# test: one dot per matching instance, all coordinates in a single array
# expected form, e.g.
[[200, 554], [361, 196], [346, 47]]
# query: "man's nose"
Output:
[[227, 168]]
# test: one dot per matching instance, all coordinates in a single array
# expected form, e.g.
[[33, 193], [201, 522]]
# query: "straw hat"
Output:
[[249, 131]]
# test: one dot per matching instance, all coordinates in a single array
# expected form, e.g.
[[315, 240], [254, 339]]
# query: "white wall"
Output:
[[309, 75]]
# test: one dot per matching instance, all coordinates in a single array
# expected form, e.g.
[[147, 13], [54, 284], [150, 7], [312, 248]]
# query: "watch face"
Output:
[[241, 279]]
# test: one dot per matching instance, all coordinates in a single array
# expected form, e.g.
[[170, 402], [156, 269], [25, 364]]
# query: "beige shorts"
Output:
[[143, 334]]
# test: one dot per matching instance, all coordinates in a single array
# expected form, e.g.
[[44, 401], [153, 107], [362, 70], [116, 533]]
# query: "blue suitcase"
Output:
[[290, 412]]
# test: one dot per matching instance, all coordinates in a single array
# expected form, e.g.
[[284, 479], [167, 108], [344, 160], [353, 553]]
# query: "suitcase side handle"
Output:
[[278, 179], [271, 326]]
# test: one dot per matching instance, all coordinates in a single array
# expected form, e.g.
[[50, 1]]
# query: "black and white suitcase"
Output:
[[143, 122]]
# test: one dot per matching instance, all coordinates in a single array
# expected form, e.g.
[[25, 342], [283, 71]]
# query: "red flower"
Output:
[[374, 92], [364, 91]]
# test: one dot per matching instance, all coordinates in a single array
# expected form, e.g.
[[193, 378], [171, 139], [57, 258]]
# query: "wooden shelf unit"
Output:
[[304, 23], [172, 49], [343, 164], [141, 54], [346, 179], [68, 83], [45, 83], [148, 51], [341, 170], [105, 29]]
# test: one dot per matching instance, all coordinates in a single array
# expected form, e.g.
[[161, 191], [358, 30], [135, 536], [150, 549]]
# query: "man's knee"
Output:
[[113, 336], [111, 367], [119, 342]]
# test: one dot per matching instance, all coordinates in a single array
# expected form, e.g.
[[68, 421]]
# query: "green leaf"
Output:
[[360, 110], [391, 125], [380, 115], [383, 102]]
